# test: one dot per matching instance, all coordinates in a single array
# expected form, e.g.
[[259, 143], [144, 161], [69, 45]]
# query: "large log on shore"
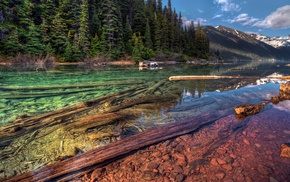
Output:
[[200, 77], [73, 166], [210, 77]]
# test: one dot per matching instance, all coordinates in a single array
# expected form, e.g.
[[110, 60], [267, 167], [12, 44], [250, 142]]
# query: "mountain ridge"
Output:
[[238, 45]]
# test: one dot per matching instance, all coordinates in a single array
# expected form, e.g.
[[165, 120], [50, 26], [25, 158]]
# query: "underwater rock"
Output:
[[249, 109], [285, 150]]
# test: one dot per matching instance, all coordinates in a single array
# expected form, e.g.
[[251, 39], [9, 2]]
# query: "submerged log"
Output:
[[67, 86], [83, 162], [25, 125]]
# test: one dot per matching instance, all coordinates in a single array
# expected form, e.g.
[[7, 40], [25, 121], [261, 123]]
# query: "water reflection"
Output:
[[121, 107]]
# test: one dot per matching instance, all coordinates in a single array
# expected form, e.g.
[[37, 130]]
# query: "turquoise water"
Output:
[[32, 93]]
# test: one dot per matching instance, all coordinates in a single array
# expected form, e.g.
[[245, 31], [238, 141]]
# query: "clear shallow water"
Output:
[[33, 93]]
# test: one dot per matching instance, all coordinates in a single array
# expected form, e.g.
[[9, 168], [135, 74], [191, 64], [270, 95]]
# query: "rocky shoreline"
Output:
[[214, 153]]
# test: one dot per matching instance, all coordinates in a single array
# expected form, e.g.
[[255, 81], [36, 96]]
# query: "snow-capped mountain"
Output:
[[233, 44], [276, 42]]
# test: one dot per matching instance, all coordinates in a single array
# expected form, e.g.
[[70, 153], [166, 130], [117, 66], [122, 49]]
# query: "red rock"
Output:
[[233, 156], [156, 154], [265, 170], [246, 141], [227, 167], [253, 135], [270, 137], [285, 150], [179, 177], [221, 161], [240, 179], [181, 159], [213, 162], [151, 166], [248, 179], [220, 175], [228, 159], [155, 170], [177, 169], [258, 145], [97, 173], [148, 175], [166, 157], [221, 151]]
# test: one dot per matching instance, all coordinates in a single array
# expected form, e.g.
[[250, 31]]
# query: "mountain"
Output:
[[237, 45], [277, 42]]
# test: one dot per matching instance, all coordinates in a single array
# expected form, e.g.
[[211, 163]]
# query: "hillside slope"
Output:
[[234, 44]]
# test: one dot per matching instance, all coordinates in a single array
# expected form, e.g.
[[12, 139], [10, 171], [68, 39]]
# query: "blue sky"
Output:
[[267, 17]]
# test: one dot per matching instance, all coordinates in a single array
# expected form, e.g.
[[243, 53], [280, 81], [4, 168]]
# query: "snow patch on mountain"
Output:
[[276, 42]]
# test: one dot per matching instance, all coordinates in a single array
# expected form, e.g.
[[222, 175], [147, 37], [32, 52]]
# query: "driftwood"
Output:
[[245, 110], [248, 109], [202, 77], [83, 162]]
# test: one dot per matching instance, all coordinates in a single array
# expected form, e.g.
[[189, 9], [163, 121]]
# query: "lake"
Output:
[[56, 106]]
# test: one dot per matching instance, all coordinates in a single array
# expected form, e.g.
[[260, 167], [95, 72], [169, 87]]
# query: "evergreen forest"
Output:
[[75, 30]]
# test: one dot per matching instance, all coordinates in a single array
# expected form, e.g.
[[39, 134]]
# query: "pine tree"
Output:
[[58, 34], [157, 33], [148, 41], [34, 43], [12, 46], [127, 37], [112, 28], [201, 42], [191, 50], [84, 28], [137, 47], [138, 17], [164, 32]]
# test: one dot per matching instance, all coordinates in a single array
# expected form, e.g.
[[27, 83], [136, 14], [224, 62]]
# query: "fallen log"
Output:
[[207, 77], [83, 162], [201, 77], [66, 115]]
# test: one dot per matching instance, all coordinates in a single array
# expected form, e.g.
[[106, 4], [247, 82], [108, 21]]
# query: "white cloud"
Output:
[[187, 22], [217, 16], [227, 5], [200, 11], [279, 19], [244, 19]]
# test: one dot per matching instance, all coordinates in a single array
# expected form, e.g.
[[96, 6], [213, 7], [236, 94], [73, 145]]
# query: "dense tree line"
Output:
[[73, 30]]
